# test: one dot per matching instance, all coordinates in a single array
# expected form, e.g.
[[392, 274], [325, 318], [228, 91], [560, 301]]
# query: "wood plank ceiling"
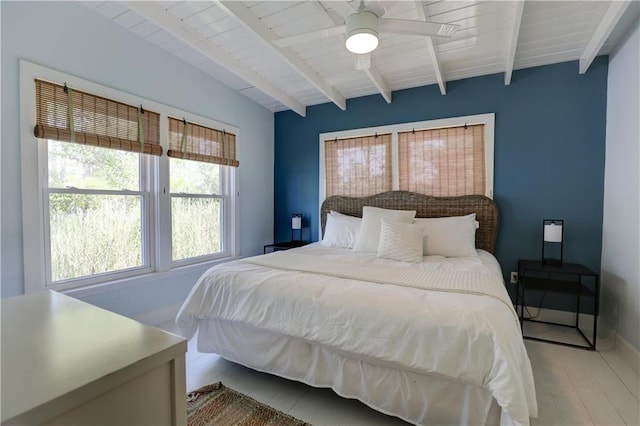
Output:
[[237, 42]]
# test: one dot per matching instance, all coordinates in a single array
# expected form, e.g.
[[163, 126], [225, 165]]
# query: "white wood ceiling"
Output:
[[233, 41]]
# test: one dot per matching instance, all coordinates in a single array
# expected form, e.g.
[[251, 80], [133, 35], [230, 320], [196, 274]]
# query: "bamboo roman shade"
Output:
[[70, 115], [358, 167], [192, 141], [443, 162]]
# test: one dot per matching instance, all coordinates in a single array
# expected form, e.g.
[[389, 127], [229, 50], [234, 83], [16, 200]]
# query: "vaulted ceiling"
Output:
[[241, 42]]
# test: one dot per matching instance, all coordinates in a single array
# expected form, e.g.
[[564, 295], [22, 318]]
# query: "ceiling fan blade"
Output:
[[403, 26], [310, 36], [335, 17]]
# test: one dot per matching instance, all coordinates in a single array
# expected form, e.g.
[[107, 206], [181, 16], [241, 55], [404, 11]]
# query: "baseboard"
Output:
[[628, 353], [159, 316]]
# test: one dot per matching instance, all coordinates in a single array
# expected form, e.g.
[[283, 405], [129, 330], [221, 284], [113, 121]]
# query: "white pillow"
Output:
[[369, 235], [400, 241], [449, 236], [340, 230]]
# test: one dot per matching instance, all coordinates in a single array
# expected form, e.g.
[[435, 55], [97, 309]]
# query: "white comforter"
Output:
[[459, 335]]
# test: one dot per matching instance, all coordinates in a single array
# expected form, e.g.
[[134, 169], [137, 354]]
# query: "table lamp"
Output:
[[552, 233], [296, 225]]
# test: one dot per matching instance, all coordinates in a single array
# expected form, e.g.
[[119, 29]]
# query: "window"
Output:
[[101, 201], [443, 162], [197, 202], [96, 202], [447, 157], [96, 198], [196, 209], [356, 167]]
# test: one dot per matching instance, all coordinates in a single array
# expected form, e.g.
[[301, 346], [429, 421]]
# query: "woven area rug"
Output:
[[220, 406]]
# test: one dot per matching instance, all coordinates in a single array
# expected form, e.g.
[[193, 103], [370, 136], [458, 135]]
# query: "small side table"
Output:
[[284, 245], [566, 278]]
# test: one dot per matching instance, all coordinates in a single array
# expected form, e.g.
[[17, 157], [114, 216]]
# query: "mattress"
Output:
[[442, 331]]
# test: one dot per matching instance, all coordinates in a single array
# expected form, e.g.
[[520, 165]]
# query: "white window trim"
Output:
[[200, 259], [148, 239], [489, 130], [160, 220]]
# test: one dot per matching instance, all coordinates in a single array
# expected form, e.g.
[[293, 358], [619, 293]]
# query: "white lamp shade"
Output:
[[553, 233], [362, 32], [362, 42], [296, 222]]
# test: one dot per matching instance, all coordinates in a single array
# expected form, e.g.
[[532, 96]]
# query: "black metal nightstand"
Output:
[[284, 245], [566, 278]]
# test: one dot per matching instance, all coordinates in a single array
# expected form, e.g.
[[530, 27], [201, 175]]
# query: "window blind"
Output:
[[70, 115], [443, 162], [192, 141], [357, 167]]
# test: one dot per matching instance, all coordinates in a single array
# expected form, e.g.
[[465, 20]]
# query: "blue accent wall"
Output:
[[549, 152]]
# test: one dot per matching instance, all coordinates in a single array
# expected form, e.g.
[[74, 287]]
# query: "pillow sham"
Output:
[[340, 230], [449, 236], [369, 235], [400, 241]]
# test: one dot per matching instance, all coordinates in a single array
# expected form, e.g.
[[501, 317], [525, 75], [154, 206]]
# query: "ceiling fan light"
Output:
[[361, 42], [362, 32]]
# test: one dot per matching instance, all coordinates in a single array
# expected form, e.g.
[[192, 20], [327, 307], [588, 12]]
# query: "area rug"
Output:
[[220, 406]]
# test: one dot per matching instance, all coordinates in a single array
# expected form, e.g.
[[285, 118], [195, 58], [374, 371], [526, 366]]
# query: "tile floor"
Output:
[[573, 386]]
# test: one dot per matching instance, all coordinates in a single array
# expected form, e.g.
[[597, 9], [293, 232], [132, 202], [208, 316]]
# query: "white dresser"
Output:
[[68, 362]]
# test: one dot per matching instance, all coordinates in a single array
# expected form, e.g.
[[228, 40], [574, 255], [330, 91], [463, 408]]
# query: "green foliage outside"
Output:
[[193, 177], [88, 167], [97, 233], [103, 237], [195, 223]]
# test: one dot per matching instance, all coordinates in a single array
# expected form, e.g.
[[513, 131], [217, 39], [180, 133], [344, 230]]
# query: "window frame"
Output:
[[225, 201], [488, 120], [155, 182], [146, 218]]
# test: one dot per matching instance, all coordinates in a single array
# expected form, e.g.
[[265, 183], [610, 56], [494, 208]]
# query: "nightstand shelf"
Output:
[[566, 278], [558, 286], [286, 245]]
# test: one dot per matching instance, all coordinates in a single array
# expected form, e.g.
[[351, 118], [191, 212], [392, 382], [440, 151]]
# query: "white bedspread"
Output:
[[462, 336]]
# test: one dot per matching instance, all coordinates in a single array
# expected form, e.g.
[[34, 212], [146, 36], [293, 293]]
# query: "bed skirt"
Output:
[[416, 398]]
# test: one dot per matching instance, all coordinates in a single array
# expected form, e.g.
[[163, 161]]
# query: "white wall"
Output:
[[69, 37], [621, 224]]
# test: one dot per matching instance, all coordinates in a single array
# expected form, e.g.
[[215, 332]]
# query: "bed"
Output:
[[433, 342]]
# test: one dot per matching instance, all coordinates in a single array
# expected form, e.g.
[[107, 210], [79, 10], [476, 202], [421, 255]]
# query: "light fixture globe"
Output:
[[362, 32]]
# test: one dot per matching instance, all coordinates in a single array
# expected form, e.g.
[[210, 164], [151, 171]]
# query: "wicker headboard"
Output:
[[425, 206]]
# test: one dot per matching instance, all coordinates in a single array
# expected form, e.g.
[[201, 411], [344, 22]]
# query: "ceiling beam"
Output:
[[422, 16], [436, 66], [333, 14], [363, 63], [161, 17], [244, 16], [379, 82], [514, 32], [607, 24]]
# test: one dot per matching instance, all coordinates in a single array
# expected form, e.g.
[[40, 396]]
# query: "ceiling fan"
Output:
[[362, 28]]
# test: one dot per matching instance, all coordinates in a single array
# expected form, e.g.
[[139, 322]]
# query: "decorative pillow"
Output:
[[340, 230], [400, 241], [369, 235], [449, 236]]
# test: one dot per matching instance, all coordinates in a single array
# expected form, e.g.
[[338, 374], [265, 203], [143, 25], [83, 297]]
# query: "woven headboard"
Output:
[[425, 206]]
